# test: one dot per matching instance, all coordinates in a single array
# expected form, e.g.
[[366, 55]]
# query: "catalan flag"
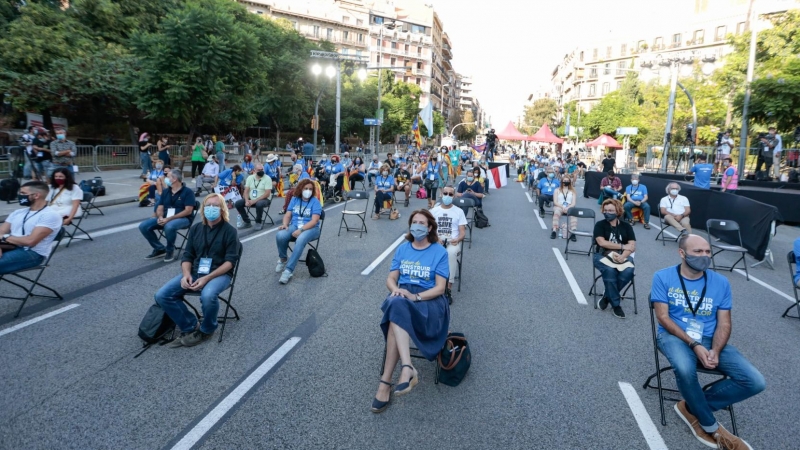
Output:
[[415, 130]]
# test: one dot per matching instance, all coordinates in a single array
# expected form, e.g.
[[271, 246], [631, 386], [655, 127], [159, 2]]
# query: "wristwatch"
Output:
[[419, 299], [5, 236], [693, 345]]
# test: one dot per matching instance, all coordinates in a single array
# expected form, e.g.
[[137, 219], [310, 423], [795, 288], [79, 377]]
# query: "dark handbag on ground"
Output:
[[454, 359], [9, 189], [155, 325], [95, 186], [481, 221], [316, 268]]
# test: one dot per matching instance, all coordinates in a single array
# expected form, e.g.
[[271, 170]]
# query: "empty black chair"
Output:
[[12, 278], [791, 258], [580, 213], [659, 370], [725, 229], [353, 209]]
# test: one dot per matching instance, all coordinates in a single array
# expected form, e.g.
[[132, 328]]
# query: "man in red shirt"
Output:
[[611, 186]]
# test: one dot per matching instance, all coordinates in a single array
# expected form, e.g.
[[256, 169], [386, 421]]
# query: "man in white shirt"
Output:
[[776, 143], [210, 175], [675, 209], [452, 225], [31, 229], [258, 191], [724, 148]]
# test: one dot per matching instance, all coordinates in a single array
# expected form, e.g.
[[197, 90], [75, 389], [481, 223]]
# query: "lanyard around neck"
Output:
[[686, 294]]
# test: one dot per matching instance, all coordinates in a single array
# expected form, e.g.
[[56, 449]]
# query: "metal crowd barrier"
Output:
[[116, 156]]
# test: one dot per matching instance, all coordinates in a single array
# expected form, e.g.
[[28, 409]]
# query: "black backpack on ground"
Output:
[[794, 176], [481, 221], [316, 268], [9, 188], [155, 327], [95, 186]]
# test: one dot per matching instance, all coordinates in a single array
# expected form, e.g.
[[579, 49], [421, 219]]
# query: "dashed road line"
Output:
[[530, 199], [541, 222], [646, 425], [383, 255], [38, 319], [752, 278], [570, 278]]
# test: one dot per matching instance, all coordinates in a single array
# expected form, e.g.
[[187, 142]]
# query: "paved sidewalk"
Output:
[[122, 186]]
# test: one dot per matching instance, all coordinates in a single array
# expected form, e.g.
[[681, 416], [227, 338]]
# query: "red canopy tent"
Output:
[[545, 135], [604, 140], [510, 133]]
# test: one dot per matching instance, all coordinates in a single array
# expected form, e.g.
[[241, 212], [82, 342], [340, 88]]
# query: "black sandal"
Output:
[[379, 406]]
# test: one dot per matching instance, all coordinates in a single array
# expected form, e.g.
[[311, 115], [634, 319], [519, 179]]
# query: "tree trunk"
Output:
[[132, 132], [278, 135]]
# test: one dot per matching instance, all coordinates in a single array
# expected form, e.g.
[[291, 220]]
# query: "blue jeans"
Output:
[[474, 198], [611, 193], [283, 237], [18, 259], [745, 380], [147, 163], [613, 279], [170, 231], [169, 297], [645, 210]]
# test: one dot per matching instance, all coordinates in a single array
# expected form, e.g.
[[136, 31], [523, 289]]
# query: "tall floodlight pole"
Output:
[[751, 62], [670, 113]]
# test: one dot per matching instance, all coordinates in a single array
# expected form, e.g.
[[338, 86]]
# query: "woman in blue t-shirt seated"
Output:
[[384, 188], [301, 222], [416, 308]]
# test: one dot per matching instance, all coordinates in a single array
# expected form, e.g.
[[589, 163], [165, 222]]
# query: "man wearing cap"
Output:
[[273, 168], [210, 175], [373, 169]]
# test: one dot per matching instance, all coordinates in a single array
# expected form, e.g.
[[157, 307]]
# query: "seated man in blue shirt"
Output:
[[702, 172], [231, 177], [694, 333], [470, 187], [637, 198], [547, 187], [173, 213]]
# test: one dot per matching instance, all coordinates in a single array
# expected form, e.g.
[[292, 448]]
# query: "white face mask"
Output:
[[673, 192], [635, 182], [307, 193], [385, 173]]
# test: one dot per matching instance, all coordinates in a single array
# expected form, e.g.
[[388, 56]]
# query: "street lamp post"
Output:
[[389, 26], [751, 62], [316, 69]]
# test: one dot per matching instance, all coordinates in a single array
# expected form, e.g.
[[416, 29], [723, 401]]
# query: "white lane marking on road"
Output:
[[522, 185], [530, 199], [649, 430], [383, 255], [668, 233], [96, 234], [570, 278], [752, 278], [119, 184], [195, 434], [38, 319], [541, 222]]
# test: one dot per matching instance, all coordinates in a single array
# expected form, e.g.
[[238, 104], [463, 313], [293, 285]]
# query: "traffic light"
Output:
[[315, 122]]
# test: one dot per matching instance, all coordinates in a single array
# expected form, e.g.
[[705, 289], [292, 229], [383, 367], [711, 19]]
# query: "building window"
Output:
[[393, 45], [594, 54], [392, 62], [315, 31], [407, 48], [581, 57], [346, 35], [607, 69], [295, 26], [740, 28], [592, 90], [345, 51], [419, 66], [378, 59], [699, 36], [329, 34], [377, 20], [419, 51], [608, 52], [658, 43], [345, 19], [360, 38], [721, 32], [676, 40], [623, 49], [417, 80], [417, 29], [593, 72], [358, 53], [621, 68], [606, 87], [619, 84], [578, 91], [259, 12]]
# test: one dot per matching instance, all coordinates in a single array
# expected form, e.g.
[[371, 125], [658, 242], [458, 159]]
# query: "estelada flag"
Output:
[[280, 188], [415, 130]]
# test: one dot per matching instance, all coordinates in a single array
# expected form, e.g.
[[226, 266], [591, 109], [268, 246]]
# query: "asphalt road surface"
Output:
[[300, 369]]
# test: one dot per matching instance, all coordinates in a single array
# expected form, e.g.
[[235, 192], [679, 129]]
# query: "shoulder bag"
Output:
[[454, 359]]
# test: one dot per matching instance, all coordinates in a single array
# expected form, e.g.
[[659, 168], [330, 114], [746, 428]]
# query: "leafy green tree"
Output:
[[466, 132], [540, 112], [777, 100]]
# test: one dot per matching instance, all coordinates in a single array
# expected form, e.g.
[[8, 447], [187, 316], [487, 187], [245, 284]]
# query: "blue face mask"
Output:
[[551, 175], [419, 231], [168, 182], [211, 212], [61, 137], [447, 200]]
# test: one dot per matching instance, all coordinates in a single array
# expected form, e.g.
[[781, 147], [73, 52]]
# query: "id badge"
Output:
[[694, 329], [432, 177], [565, 204], [204, 268], [40, 154], [254, 194], [170, 212], [300, 224]]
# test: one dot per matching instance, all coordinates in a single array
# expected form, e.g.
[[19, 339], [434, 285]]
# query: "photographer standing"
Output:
[[491, 143], [724, 146], [770, 152]]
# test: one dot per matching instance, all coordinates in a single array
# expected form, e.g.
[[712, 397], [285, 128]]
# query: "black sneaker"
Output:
[[553, 235], [197, 337], [603, 303], [573, 238], [169, 256], [618, 312], [156, 254]]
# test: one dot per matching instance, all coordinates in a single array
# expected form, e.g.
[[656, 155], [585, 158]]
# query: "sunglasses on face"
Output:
[[448, 194]]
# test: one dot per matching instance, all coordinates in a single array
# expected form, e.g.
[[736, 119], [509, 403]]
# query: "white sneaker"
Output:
[[281, 265], [285, 277]]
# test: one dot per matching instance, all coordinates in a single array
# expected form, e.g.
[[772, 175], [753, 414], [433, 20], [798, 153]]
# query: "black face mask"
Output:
[[260, 173], [24, 200]]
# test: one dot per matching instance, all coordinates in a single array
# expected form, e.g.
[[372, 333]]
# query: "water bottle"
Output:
[[239, 223]]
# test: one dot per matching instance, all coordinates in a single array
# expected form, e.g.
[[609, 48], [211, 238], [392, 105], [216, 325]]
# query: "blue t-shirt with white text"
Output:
[[667, 289], [302, 211], [702, 175], [636, 193], [384, 183], [548, 186], [420, 267]]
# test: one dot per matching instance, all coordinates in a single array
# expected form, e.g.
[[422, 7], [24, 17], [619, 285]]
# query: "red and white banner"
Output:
[[36, 120], [497, 177]]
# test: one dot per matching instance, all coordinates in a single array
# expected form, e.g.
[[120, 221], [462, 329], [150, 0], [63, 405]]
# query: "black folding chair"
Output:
[[659, 370], [315, 243], [580, 213], [76, 223], [88, 205], [791, 258], [596, 295], [386, 212], [719, 243], [183, 232], [468, 206], [12, 278], [663, 225], [223, 319], [251, 212], [415, 353], [350, 198]]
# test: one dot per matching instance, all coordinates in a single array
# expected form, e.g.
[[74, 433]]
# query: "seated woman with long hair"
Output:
[[416, 308]]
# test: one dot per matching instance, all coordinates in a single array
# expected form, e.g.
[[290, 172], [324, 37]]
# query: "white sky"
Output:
[[510, 47]]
